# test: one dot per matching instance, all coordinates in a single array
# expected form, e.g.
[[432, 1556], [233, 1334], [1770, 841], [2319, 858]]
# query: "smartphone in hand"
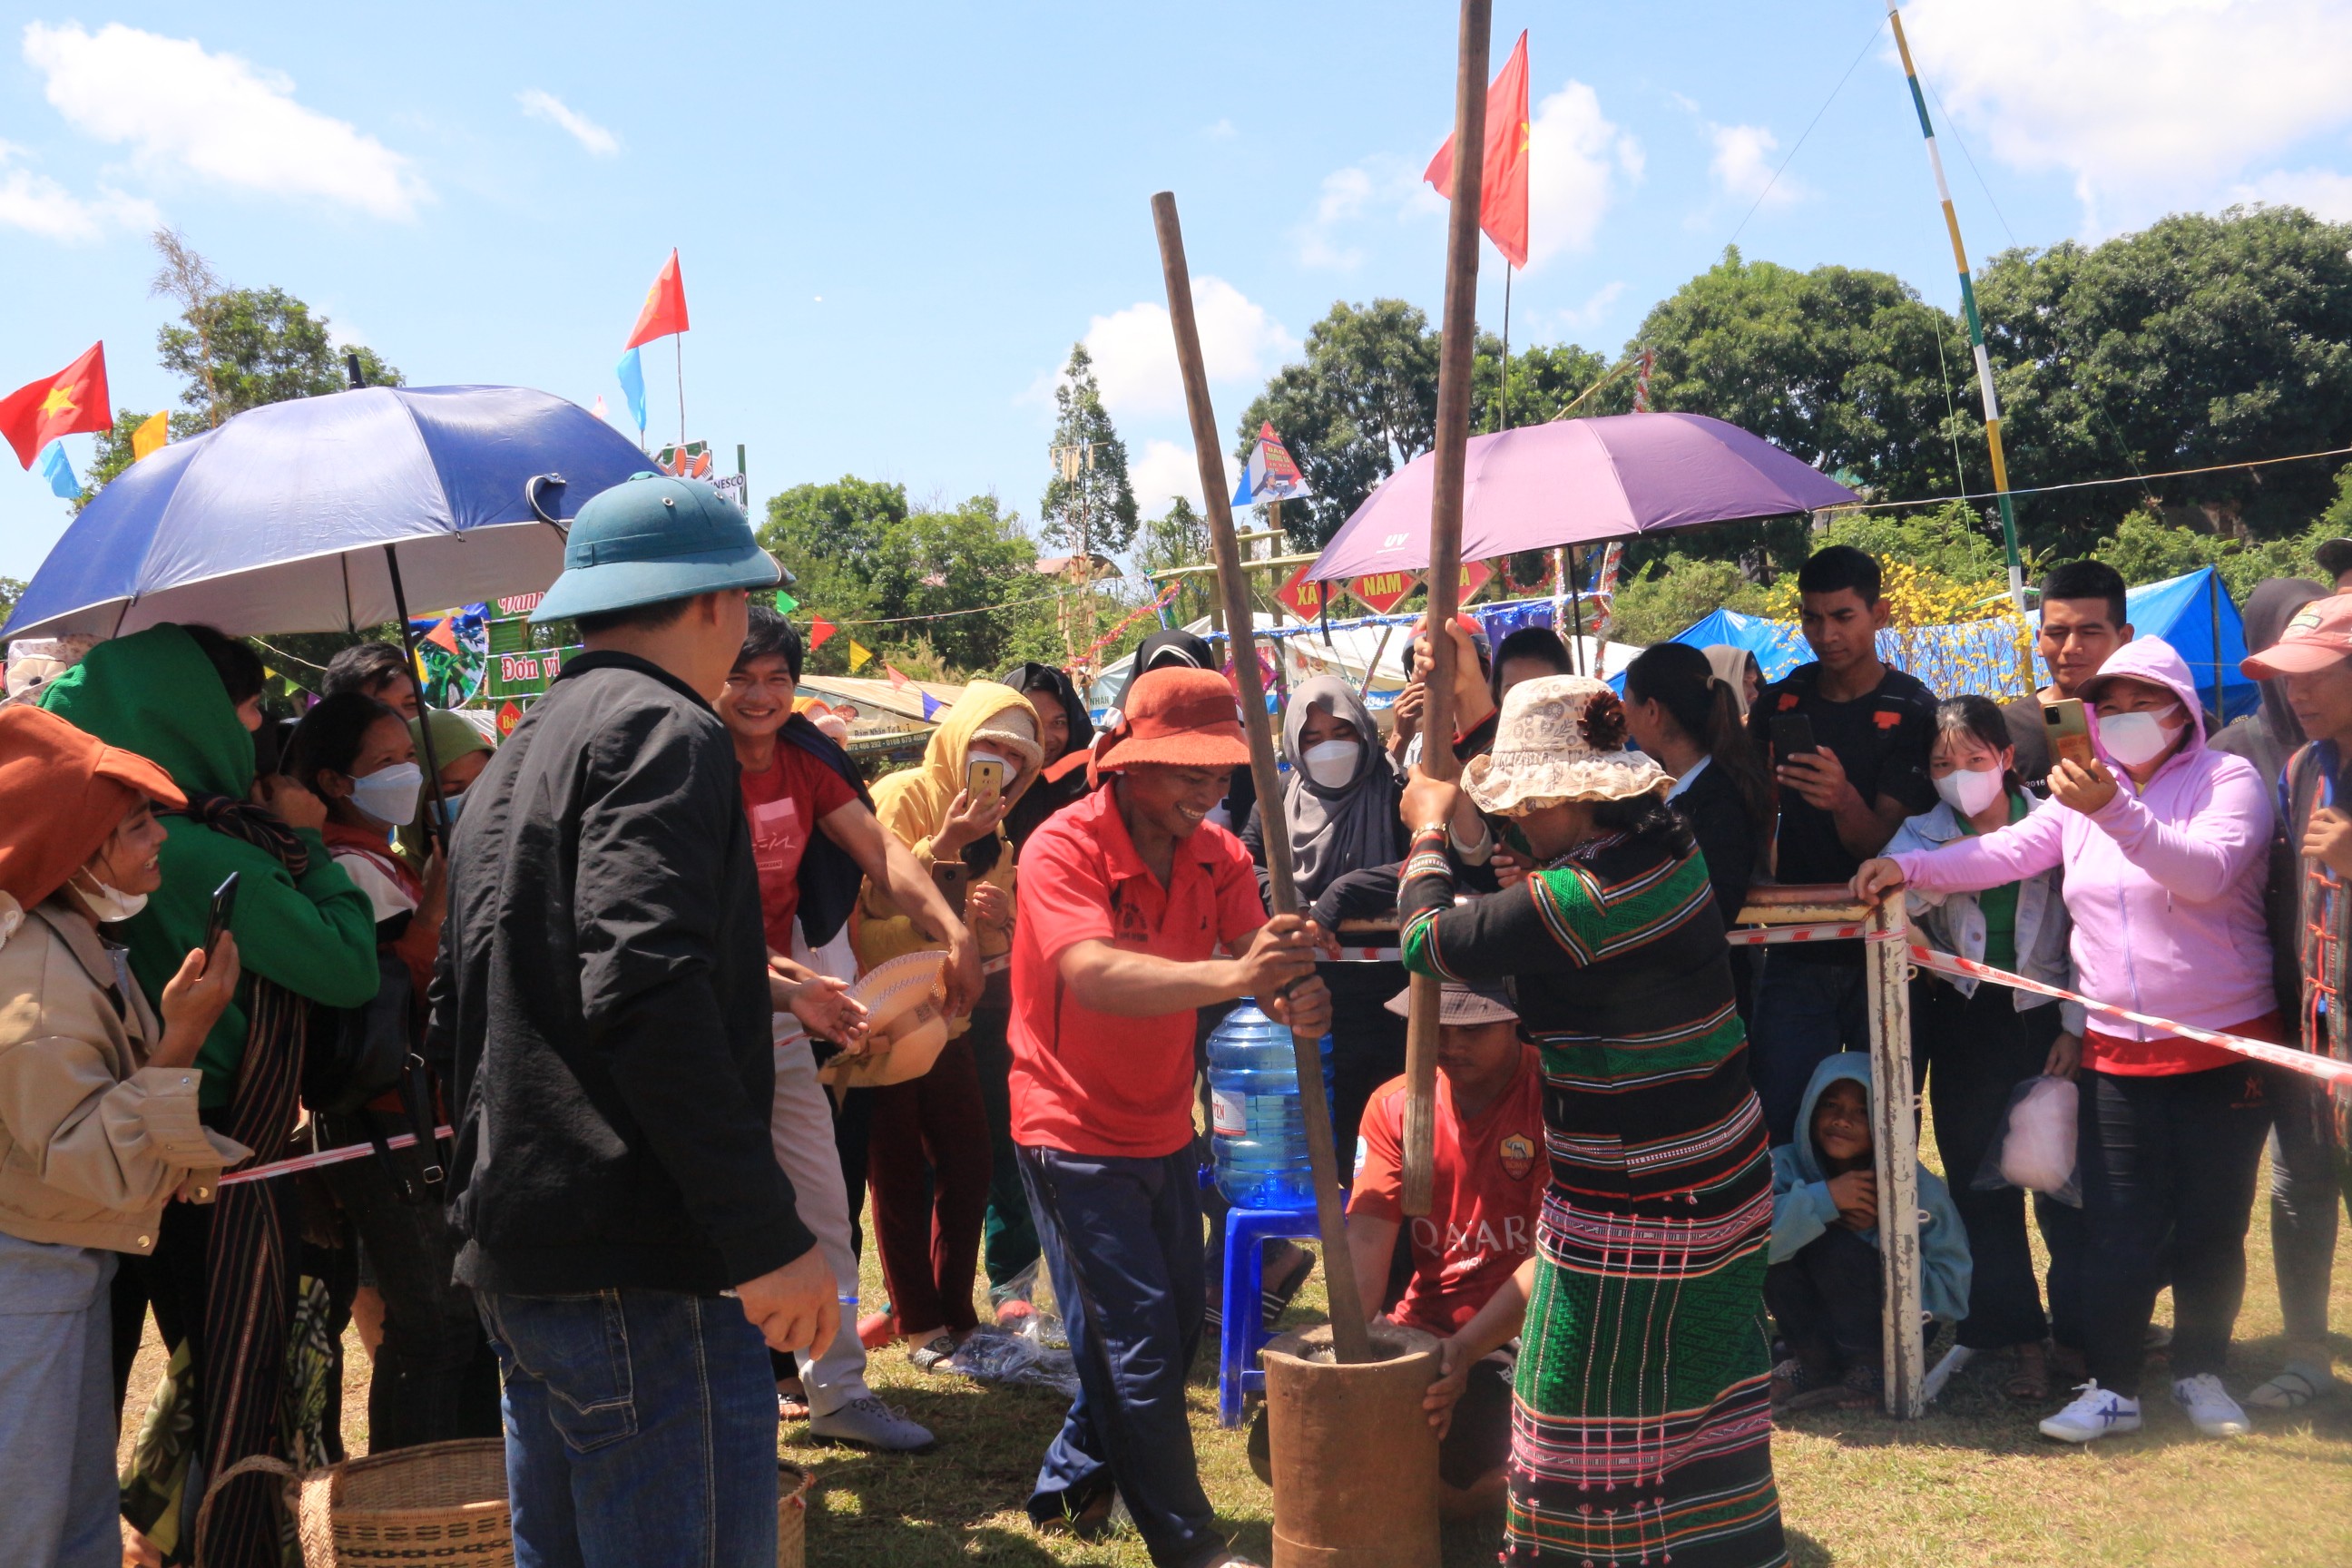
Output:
[[1792, 736], [983, 778], [2070, 731], [224, 909]]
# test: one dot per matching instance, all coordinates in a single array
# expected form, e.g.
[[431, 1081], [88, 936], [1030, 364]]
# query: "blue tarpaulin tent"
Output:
[[2194, 613]]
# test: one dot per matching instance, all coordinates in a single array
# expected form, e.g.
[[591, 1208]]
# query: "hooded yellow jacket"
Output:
[[914, 804]]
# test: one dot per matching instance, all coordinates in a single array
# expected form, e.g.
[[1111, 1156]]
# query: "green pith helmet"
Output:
[[651, 538]]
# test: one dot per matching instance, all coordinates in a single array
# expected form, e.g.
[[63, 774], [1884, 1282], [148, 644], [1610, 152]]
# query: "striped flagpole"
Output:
[[1967, 308]]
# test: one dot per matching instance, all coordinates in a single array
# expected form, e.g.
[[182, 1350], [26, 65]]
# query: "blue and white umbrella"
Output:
[[315, 514]]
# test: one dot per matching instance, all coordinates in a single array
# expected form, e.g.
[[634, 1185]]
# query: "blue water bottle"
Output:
[[1259, 1133]]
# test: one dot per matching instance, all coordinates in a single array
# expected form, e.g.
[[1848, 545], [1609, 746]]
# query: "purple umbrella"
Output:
[[1576, 481]]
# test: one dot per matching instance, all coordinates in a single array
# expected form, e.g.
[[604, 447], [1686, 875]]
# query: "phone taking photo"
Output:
[[2070, 731], [224, 909], [983, 778], [1792, 736]]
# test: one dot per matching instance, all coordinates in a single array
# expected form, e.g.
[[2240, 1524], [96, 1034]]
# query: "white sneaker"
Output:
[[2096, 1413], [2211, 1409], [867, 1423]]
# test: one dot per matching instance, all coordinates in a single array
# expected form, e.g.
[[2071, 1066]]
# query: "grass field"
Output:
[[1971, 1484]]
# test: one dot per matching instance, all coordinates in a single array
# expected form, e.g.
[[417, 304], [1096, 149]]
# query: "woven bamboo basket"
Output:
[[439, 1503]]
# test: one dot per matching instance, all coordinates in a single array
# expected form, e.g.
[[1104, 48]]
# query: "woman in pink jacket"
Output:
[[2164, 855]]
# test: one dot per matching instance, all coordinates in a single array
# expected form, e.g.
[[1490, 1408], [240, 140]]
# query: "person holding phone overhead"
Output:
[[951, 812], [98, 1124], [1845, 739]]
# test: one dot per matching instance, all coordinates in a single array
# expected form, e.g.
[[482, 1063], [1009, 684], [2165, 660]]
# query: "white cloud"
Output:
[[1745, 157], [217, 116], [543, 105], [2151, 105], [1134, 350], [1575, 159], [2323, 191], [39, 205], [1222, 130], [1164, 469], [1595, 309]]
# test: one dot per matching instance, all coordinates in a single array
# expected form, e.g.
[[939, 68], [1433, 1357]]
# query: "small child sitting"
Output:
[[1823, 1286]]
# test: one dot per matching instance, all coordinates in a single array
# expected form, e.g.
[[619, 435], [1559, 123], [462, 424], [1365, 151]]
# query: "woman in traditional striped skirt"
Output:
[[1642, 1427]]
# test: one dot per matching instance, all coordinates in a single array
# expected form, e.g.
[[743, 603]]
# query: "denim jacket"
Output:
[[1955, 924]]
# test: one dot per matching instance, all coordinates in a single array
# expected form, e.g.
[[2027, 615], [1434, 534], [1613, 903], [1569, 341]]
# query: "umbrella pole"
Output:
[[437, 827], [1454, 374], [1352, 1340]]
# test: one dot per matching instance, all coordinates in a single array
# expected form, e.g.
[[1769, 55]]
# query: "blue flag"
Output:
[[931, 705], [59, 473], [631, 372]]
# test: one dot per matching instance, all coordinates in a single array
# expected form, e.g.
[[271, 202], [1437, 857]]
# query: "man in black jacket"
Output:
[[604, 982]]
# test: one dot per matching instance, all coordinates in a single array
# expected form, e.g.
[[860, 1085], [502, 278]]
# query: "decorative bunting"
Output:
[[510, 716], [897, 678], [153, 434], [59, 473], [931, 705], [819, 629], [859, 655]]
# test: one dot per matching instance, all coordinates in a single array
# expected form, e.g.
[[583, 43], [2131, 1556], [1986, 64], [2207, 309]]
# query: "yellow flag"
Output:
[[859, 656], [151, 436]]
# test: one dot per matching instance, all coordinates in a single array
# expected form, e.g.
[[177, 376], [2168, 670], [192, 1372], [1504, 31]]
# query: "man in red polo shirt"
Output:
[[1126, 898], [1488, 1191]]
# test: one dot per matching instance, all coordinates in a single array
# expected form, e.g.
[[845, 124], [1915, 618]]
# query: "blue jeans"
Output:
[[1806, 1009], [1122, 1238], [640, 1428]]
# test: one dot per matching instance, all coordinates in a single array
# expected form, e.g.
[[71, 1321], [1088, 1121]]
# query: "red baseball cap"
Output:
[[2319, 636], [1178, 717]]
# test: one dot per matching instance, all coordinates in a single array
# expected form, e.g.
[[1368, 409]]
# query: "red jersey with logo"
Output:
[[1100, 1083], [1489, 1187], [785, 802]]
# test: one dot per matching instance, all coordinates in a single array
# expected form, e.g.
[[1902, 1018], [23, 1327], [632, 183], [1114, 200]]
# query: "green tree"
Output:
[[1090, 507], [258, 346], [1671, 593], [11, 590], [1544, 380], [863, 554], [1179, 537], [2200, 341], [1838, 365], [1360, 405]]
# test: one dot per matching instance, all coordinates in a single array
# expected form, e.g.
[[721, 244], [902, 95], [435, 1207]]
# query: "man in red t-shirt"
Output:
[[1481, 1225], [1125, 898], [815, 837]]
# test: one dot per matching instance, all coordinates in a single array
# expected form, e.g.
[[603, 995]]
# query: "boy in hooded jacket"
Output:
[[1824, 1286]]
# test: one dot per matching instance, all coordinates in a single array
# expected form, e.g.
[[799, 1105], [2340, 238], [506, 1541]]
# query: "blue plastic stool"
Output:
[[1243, 1331]]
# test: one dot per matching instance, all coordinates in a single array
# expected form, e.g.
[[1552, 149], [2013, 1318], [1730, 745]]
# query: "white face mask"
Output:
[[2136, 739], [106, 903], [1968, 793], [389, 794], [1332, 763]]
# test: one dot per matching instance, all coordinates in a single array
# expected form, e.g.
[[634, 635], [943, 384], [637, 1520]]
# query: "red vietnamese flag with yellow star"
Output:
[[1502, 186], [67, 403], [665, 310]]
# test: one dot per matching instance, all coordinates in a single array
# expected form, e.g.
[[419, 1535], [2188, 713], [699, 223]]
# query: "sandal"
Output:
[[1282, 1282], [1864, 1387], [1090, 1522], [2029, 1384], [2293, 1389], [933, 1353], [1795, 1389], [791, 1400]]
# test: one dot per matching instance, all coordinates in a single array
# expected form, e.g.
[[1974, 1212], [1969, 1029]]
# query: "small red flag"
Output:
[[1503, 185], [819, 629], [665, 310], [67, 403], [897, 679]]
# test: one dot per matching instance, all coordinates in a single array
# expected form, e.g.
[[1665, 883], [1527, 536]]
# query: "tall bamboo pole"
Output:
[[1968, 310], [1453, 367], [1352, 1340]]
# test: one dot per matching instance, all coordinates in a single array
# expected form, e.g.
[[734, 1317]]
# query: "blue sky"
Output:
[[895, 221]]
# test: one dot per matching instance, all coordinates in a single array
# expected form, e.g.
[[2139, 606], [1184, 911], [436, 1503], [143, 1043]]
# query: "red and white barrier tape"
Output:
[[334, 1156], [2319, 1066], [1764, 936]]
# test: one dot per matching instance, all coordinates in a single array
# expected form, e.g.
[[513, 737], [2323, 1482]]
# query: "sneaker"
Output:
[[867, 1423], [2211, 1409], [933, 1355], [2096, 1413]]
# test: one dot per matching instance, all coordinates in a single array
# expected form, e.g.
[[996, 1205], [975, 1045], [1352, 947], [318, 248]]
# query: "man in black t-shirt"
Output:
[[2084, 621], [1873, 726]]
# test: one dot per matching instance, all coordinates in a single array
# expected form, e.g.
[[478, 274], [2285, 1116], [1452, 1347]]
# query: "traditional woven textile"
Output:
[[1642, 1419]]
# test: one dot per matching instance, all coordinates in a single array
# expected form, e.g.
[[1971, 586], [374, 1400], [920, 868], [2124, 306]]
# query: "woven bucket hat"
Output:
[[1560, 738]]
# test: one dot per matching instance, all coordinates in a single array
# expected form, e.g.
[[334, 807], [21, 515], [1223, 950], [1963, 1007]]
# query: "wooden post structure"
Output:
[[1894, 1136], [1453, 373], [1352, 1339]]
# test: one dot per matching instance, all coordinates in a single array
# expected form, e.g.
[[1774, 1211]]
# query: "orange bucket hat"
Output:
[[63, 792], [1178, 717]]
